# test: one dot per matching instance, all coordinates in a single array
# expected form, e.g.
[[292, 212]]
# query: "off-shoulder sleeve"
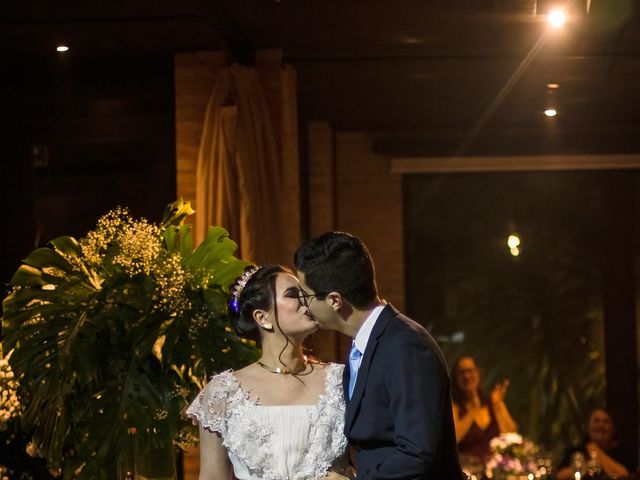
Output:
[[211, 407]]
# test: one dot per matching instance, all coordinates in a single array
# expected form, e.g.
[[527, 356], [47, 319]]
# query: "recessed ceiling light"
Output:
[[550, 112], [553, 86], [62, 48], [408, 40], [557, 18]]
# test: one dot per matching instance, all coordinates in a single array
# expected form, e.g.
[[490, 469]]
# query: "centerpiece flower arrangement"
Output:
[[111, 335], [511, 456]]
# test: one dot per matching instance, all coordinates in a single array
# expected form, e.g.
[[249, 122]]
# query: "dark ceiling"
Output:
[[434, 68]]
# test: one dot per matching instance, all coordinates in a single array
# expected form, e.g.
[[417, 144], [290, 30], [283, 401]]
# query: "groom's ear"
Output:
[[335, 301]]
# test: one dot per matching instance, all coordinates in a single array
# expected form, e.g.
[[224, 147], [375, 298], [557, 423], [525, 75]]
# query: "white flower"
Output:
[[9, 404], [498, 443], [512, 438]]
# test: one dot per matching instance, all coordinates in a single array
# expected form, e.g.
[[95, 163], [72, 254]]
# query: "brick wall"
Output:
[[351, 188]]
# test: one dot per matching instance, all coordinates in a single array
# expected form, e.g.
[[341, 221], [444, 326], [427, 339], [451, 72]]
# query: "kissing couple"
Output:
[[385, 414]]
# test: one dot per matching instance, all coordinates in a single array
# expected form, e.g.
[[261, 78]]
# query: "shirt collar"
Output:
[[362, 337]]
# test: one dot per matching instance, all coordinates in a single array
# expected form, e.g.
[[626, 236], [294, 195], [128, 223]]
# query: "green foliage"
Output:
[[117, 331], [527, 320], [536, 319]]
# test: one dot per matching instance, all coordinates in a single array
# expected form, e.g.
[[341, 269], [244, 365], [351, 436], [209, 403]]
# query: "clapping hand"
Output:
[[499, 391]]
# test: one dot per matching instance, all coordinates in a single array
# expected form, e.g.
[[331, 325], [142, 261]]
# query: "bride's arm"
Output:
[[214, 461]]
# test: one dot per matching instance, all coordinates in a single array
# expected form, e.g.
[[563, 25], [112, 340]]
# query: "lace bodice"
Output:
[[297, 442]]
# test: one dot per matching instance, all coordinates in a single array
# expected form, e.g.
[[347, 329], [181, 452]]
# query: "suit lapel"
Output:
[[352, 405]]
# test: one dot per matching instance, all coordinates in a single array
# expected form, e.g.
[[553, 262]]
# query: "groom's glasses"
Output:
[[304, 298]]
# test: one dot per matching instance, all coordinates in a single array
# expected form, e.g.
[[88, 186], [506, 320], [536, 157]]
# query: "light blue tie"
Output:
[[354, 363]]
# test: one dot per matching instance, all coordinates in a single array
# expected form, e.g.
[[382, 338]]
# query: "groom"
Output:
[[398, 418]]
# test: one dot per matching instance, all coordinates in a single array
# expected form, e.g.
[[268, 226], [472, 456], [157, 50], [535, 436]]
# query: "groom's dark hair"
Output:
[[338, 262]]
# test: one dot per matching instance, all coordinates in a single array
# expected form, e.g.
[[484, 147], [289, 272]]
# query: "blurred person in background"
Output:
[[599, 445], [478, 417]]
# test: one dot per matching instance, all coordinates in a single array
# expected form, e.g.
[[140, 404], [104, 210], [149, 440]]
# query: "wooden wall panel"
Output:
[[351, 188], [369, 205], [329, 345], [321, 182], [195, 76], [279, 85]]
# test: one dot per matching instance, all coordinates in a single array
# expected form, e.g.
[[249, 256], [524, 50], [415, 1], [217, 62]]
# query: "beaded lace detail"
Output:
[[222, 406]]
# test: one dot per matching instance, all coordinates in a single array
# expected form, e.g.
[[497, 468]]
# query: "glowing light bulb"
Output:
[[551, 112], [513, 241], [62, 48], [557, 18], [515, 251]]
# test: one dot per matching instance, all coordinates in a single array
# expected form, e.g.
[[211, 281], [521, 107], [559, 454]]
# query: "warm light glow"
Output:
[[514, 251], [550, 112], [530, 476], [577, 475], [62, 48], [411, 40], [553, 86], [513, 241], [557, 18]]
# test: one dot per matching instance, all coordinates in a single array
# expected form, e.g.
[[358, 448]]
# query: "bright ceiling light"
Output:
[[514, 251], [550, 112], [513, 241], [557, 18], [62, 48], [553, 86]]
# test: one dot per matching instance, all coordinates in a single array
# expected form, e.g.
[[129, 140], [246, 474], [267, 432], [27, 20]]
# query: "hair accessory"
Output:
[[237, 290]]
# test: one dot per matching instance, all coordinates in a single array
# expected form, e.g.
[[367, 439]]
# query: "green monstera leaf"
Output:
[[115, 332]]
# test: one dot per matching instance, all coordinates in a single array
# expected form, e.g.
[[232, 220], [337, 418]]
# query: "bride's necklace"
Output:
[[284, 370]]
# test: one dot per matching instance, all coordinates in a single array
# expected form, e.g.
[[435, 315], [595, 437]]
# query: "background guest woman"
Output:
[[478, 417], [601, 445]]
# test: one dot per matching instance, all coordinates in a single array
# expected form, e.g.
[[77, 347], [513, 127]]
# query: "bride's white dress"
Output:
[[264, 442]]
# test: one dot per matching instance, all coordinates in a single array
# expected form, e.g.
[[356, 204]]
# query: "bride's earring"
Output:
[[260, 318]]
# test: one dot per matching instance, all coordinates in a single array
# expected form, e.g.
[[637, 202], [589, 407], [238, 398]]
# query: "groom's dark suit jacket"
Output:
[[399, 420]]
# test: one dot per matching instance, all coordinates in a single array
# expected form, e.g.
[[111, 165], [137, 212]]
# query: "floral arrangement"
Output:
[[9, 404], [113, 334], [511, 454]]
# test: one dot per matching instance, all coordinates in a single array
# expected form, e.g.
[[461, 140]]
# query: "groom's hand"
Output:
[[334, 476]]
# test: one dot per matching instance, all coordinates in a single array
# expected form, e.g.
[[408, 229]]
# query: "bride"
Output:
[[282, 417]]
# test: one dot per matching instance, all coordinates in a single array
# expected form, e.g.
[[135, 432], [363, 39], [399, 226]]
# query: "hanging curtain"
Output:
[[290, 162], [240, 171]]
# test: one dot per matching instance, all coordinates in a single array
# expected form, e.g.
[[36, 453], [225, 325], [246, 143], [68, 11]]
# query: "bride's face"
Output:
[[294, 319]]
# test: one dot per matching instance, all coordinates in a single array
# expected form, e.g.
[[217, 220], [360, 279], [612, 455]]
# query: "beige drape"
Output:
[[247, 167]]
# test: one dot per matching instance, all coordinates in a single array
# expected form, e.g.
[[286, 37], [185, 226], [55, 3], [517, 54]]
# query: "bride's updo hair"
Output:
[[257, 291]]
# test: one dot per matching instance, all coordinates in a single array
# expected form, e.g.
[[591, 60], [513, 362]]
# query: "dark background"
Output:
[[84, 131]]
